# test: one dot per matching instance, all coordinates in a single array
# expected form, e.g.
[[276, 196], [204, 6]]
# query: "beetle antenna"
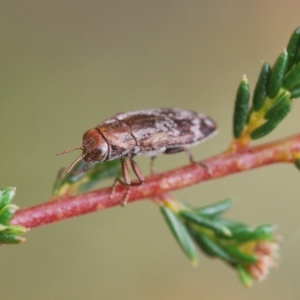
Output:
[[75, 162], [70, 150]]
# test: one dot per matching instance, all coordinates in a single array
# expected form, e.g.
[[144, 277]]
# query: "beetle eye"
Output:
[[103, 150]]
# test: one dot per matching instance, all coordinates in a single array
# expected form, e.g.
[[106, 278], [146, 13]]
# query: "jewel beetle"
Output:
[[145, 132]]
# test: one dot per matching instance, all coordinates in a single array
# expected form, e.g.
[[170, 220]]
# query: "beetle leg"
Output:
[[126, 182], [152, 165], [126, 176], [174, 150], [137, 171], [181, 149], [192, 160], [190, 155], [113, 189], [125, 171]]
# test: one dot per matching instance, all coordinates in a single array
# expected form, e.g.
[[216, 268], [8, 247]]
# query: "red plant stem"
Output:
[[65, 207]]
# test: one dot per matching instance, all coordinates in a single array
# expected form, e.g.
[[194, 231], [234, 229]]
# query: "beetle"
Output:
[[145, 132]]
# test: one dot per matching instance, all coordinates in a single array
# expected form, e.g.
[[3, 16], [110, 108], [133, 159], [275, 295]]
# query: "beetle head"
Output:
[[94, 147]]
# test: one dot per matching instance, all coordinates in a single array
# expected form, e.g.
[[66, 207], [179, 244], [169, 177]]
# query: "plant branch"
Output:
[[64, 207]]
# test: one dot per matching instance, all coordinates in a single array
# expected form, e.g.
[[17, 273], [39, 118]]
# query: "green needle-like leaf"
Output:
[[218, 228], [263, 232], [16, 229], [242, 233], [101, 171], [292, 48], [81, 180], [280, 109], [260, 91], [9, 234], [297, 58], [239, 231], [293, 78], [297, 163], [274, 116], [6, 195], [244, 275], [295, 92], [215, 209], [211, 248], [6, 239], [3, 227], [181, 234], [263, 130], [6, 213], [240, 256], [277, 75], [241, 108]]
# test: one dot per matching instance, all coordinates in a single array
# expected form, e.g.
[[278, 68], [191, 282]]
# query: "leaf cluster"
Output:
[[215, 236], [9, 234], [275, 89]]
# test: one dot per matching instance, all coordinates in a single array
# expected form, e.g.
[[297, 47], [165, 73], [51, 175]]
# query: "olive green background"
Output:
[[67, 65]]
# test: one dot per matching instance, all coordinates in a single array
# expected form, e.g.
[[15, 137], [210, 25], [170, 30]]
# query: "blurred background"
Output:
[[67, 65]]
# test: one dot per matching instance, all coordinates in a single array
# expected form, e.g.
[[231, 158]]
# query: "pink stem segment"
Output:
[[58, 209]]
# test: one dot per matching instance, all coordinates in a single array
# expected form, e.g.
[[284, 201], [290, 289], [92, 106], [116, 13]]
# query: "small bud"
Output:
[[266, 253]]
